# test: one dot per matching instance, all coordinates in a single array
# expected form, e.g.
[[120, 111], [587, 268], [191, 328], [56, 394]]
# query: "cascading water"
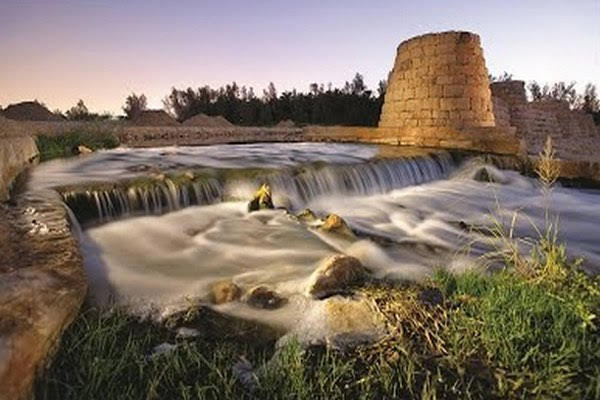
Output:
[[412, 214], [293, 187]]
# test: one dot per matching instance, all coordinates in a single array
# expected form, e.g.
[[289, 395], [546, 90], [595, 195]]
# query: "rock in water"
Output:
[[81, 149], [307, 215], [334, 223], [225, 292], [334, 274], [262, 199], [263, 297]]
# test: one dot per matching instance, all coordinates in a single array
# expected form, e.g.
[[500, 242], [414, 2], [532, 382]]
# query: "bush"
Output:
[[63, 145]]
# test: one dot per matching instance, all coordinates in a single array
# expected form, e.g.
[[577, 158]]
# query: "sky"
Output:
[[59, 51]]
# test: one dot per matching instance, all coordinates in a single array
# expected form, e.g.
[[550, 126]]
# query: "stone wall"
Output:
[[535, 121], [17, 151], [438, 80]]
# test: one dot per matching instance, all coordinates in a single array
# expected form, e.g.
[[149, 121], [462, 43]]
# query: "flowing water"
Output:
[[411, 215]]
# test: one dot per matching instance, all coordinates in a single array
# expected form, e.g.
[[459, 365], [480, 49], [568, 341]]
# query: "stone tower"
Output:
[[438, 80]]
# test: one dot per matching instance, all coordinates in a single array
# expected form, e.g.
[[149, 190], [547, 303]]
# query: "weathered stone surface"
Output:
[[264, 297], [438, 72], [225, 292], [16, 154], [334, 275], [262, 199], [42, 286], [351, 321]]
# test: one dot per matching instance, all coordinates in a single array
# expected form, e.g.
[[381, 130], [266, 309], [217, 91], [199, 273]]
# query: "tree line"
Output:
[[354, 104]]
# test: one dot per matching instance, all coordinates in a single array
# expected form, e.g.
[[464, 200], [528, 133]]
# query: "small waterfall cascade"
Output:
[[297, 184]]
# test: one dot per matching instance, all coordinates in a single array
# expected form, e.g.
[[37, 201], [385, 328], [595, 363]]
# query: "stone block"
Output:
[[454, 90]]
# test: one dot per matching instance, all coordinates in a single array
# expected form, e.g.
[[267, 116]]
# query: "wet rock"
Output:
[[307, 215], [264, 297], [189, 175], [334, 274], [225, 292], [262, 199], [335, 224], [81, 149]]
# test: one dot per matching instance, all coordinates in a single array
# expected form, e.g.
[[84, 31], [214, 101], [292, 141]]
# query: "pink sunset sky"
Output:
[[102, 50]]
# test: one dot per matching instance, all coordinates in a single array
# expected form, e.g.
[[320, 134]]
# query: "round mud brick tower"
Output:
[[438, 80]]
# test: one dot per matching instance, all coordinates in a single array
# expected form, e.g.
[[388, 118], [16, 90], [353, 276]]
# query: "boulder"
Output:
[[351, 322], [264, 297], [262, 199], [335, 224], [334, 274], [225, 292]]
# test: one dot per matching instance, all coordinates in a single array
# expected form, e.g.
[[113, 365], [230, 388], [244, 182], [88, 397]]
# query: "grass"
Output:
[[61, 146], [502, 336]]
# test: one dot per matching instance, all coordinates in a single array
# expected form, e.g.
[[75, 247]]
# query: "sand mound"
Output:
[[286, 123], [29, 111], [205, 120], [154, 118]]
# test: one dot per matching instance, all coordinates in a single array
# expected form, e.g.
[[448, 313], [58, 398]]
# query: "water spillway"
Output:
[[293, 186]]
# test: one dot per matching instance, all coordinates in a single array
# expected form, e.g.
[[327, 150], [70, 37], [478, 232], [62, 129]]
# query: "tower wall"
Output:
[[439, 80]]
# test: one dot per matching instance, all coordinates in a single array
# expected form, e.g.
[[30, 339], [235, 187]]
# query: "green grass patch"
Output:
[[487, 337], [61, 146]]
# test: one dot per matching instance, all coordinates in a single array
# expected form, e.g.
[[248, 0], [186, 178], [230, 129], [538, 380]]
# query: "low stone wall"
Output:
[[17, 151], [490, 140], [194, 136]]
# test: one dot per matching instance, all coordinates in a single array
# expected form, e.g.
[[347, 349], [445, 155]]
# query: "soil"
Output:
[[208, 121], [30, 111], [154, 118]]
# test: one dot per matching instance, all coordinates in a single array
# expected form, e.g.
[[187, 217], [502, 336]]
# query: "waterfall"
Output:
[[296, 184]]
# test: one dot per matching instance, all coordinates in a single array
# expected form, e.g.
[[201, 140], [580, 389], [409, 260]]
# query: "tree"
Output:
[[589, 101], [501, 78], [134, 105], [79, 112]]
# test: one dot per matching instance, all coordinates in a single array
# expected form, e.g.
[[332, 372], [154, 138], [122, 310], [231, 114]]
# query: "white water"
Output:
[[161, 262]]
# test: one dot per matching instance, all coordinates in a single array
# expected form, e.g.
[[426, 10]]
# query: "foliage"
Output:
[[354, 104], [587, 101], [501, 78], [134, 105], [60, 146], [80, 112]]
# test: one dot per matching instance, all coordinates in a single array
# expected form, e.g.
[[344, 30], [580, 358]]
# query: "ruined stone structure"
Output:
[[439, 80], [536, 120]]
